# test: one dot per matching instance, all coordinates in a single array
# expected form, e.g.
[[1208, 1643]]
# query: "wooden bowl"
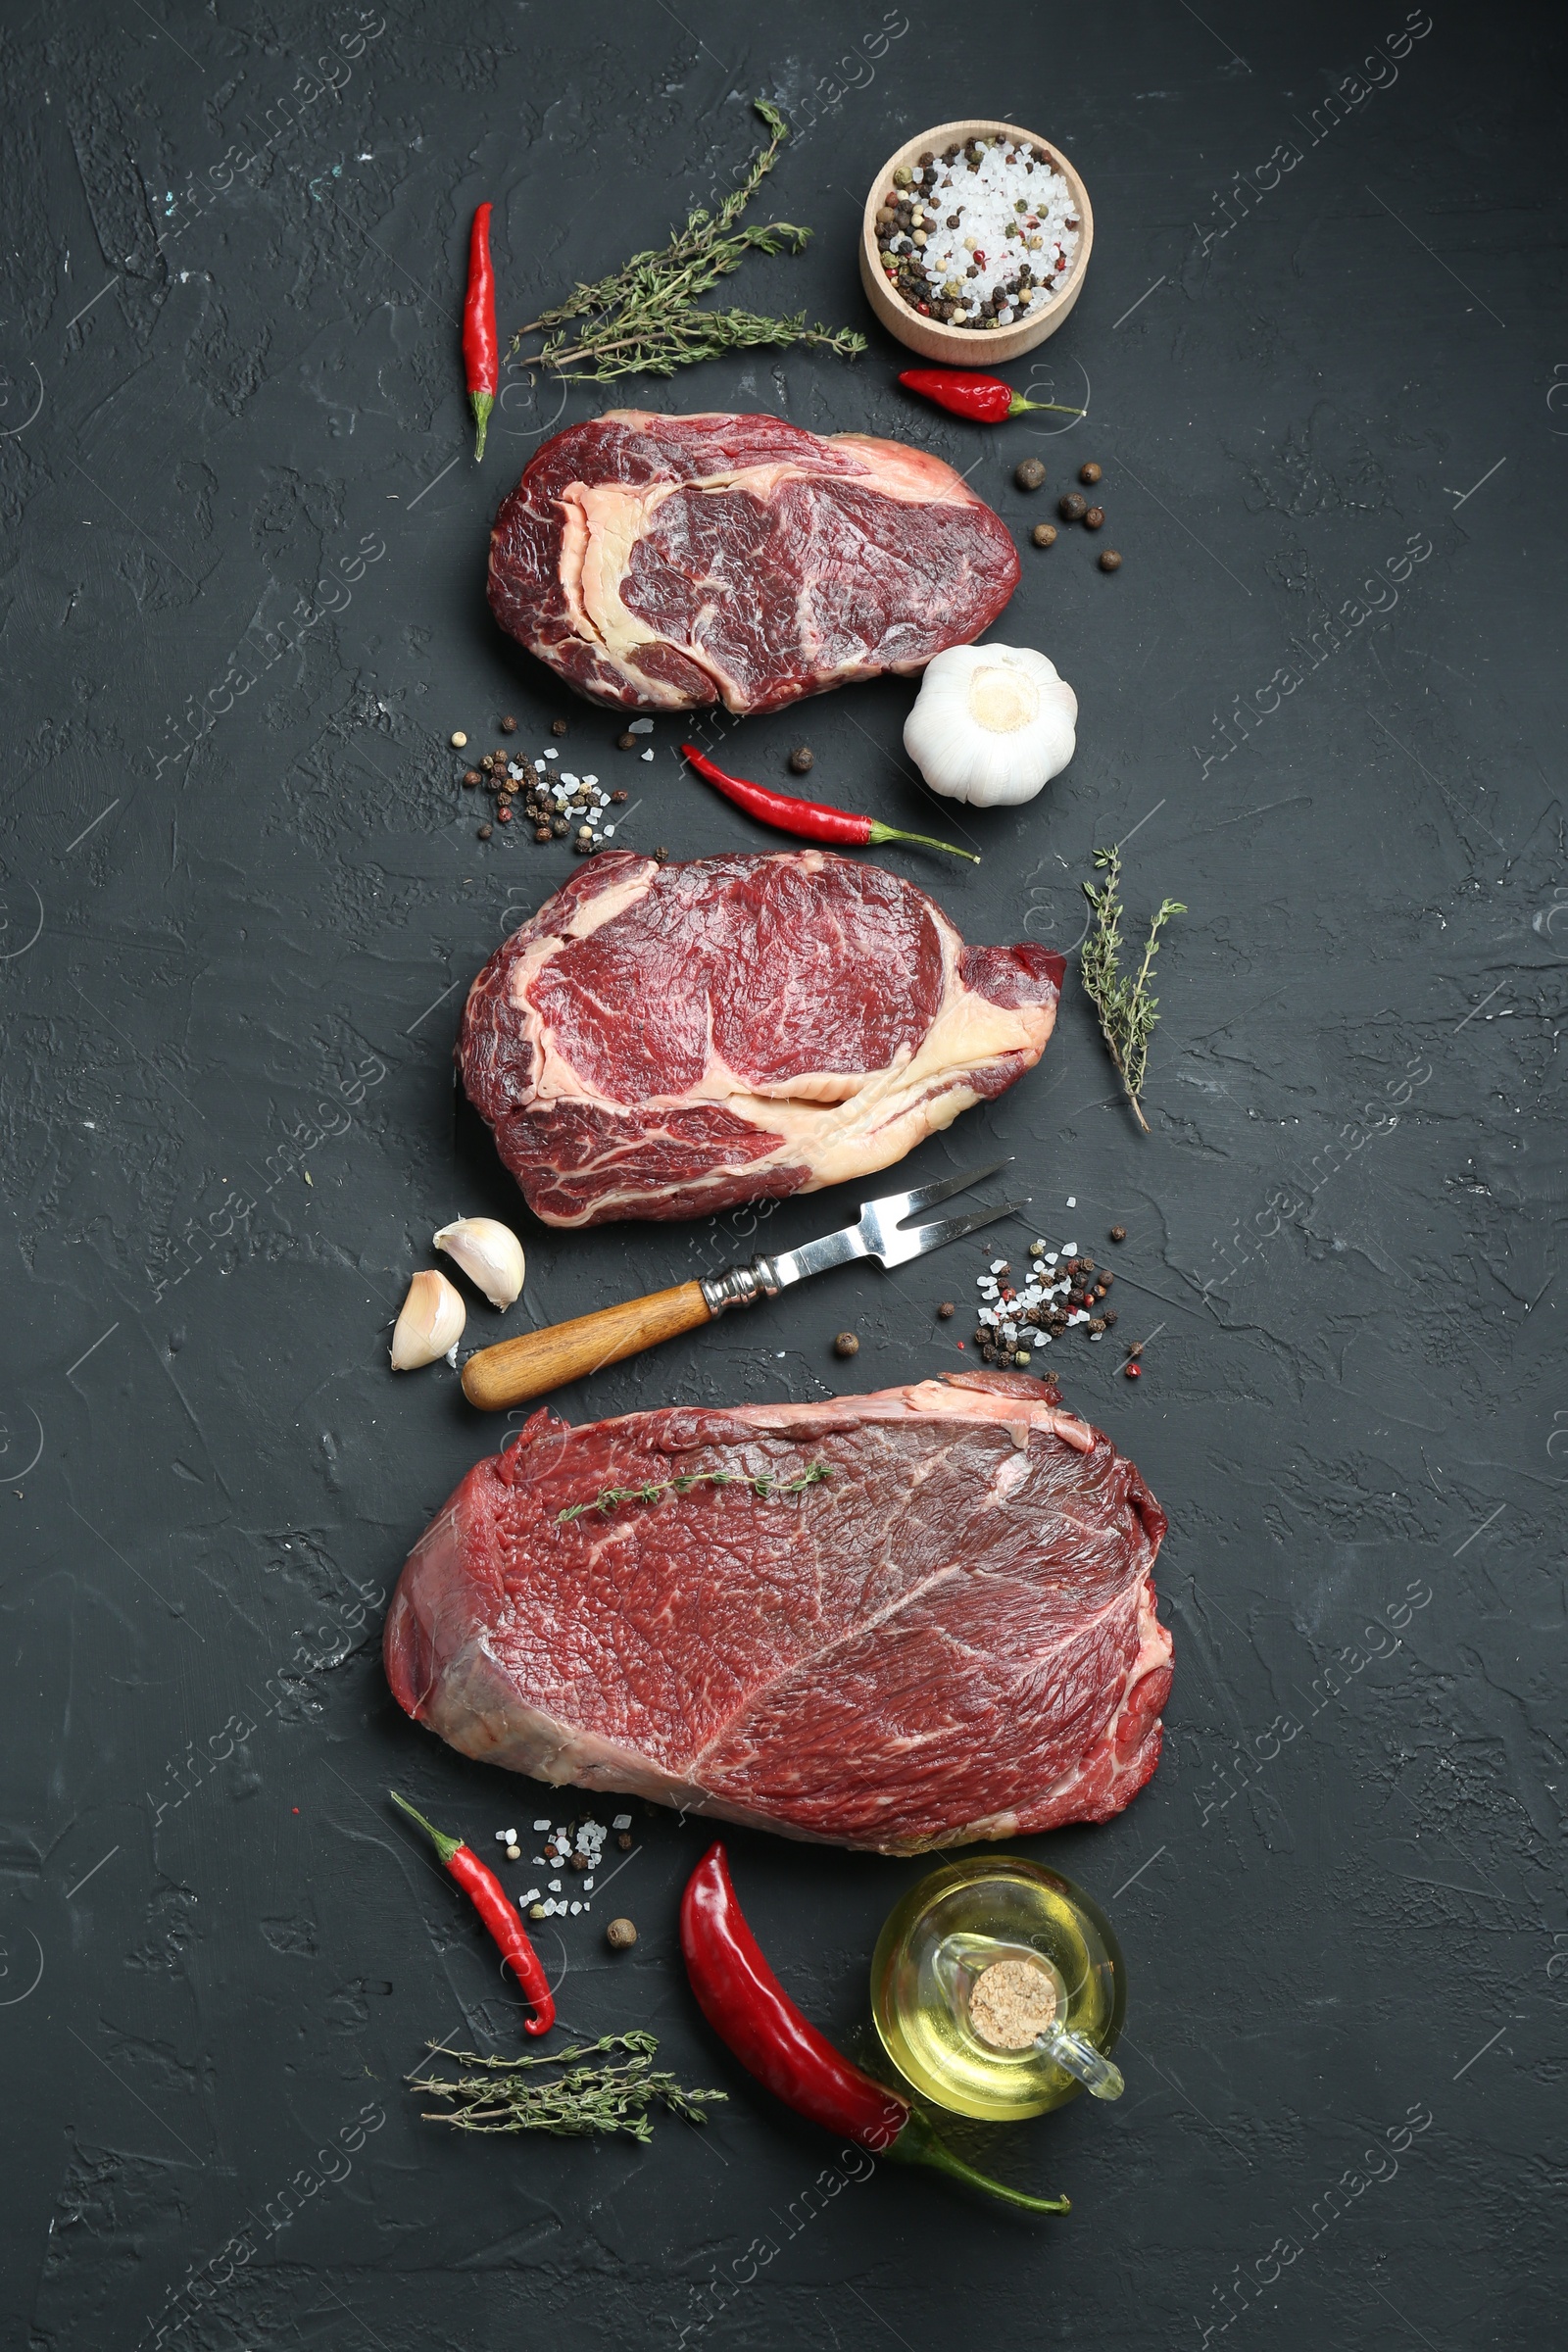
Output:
[[969, 346]]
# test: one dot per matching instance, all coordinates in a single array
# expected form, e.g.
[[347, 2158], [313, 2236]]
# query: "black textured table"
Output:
[[243, 896]]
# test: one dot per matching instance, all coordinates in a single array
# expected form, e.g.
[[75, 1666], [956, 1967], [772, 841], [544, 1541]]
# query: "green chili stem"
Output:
[[917, 2143], [924, 841], [1017, 404], [444, 1846]]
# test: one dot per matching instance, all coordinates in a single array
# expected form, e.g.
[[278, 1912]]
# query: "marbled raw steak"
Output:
[[664, 563], [671, 1041], [950, 1637]]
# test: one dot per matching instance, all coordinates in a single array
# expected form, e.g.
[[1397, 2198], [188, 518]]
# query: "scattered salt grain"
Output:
[[640, 726], [554, 1885], [623, 1820], [541, 1825], [576, 1908], [648, 755], [998, 1265], [523, 1900], [587, 1885]]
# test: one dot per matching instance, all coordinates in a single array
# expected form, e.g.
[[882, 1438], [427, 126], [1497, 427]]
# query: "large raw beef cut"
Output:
[[950, 1636], [663, 562], [670, 1041]]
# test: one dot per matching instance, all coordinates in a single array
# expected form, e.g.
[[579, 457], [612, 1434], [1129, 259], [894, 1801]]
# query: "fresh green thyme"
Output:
[[608, 1497], [508, 2094], [1127, 1012], [643, 318]]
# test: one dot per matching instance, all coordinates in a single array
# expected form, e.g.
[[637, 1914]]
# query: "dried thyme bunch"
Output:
[[643, 319], [510, 2094], [1127, 1012]]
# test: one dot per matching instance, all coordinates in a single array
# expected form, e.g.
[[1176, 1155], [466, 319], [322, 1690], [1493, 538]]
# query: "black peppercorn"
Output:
[[559, 828], [473, 776], [1089, 472], [1044, 534], [1119, 1233], [1094, 520], [1111, 560], [1072, 508], [802, 759], [947, 1310], [661, 856], [845, 1343], [1030, 474], [557, 726], [509, 725], [625, 743], [484, 832], [543, 833]]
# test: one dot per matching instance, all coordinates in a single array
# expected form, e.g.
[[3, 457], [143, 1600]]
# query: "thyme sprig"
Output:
[[508, 2094], [608, 1497], [1128, 1013], [643, 319]]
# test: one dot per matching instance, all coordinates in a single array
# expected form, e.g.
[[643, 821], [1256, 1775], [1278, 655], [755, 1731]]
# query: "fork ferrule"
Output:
[[740, 1285]]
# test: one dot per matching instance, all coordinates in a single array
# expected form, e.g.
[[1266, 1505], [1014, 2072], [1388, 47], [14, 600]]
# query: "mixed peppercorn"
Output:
[[914, 211], [1073, 506], [1061, 1292], [555, 806]]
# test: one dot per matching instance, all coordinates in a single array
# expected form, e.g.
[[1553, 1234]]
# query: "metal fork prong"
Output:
[[896, 1207], [948, 1229]]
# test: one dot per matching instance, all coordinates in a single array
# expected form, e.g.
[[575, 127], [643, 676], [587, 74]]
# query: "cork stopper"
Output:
[[1012, 2003]]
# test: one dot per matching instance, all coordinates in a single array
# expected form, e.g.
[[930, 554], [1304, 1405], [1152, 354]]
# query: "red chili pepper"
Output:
[[494, 1906], [754, 2016], [479, 348], [813, 820], [983, 399]]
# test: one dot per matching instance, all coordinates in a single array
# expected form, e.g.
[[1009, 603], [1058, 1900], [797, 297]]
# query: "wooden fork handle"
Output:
[[515, 1370]]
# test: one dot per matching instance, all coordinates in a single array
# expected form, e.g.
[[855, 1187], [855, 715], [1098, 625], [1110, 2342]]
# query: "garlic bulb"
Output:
[[991, 724], [430, 1324], [490, 1254]]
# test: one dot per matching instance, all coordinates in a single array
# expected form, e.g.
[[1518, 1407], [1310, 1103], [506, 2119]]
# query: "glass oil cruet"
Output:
[[999, 1988]]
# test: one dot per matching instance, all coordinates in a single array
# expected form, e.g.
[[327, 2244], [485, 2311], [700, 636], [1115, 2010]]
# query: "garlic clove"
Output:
[[431, 1323], [489, 1253]]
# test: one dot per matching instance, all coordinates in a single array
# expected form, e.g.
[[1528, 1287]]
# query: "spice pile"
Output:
[[580, 1850], [980, 237], [555, 805], [1062, 1291], [1073, 507]]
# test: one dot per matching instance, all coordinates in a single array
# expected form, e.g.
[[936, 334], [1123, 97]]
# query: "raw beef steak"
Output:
[[950, 1636], [670, 1041], [667, 562]]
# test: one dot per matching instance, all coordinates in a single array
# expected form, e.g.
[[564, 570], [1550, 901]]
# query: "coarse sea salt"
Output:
[[1007, 210]]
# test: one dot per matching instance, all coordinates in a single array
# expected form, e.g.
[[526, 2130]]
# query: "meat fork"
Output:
[[515, 1370]]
